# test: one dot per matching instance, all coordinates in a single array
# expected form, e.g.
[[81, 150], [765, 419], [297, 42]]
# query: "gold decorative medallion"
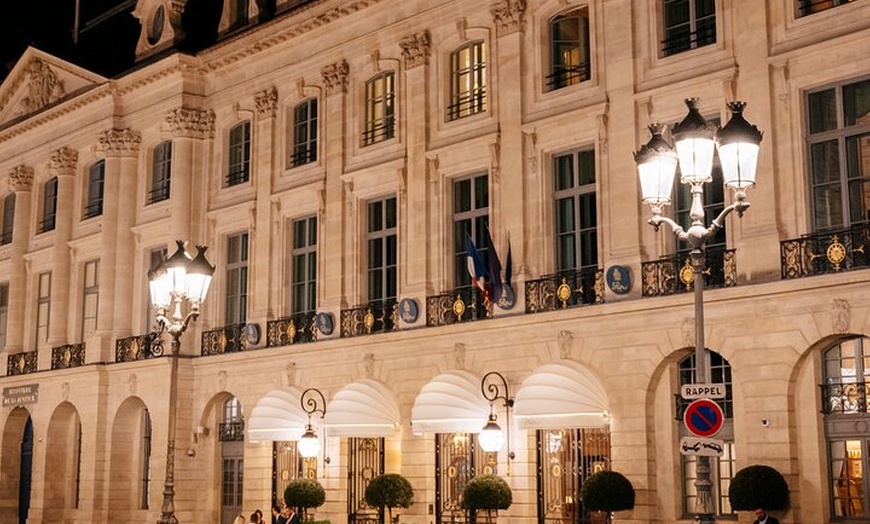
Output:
[[134, 348], [66, 356], [563, 292], [556, 470], [451, 472], [291, 331], [458, 307], [222, 341], [836, 252], [369, 320], [687, 273]]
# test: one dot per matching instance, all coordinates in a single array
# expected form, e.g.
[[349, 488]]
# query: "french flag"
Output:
[[476, 267]]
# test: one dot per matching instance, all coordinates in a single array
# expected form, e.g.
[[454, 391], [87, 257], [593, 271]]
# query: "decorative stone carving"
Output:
[[335, 77], [21, 178], [494, 154], [191, 122], [222, 380], [416, 49], [63, 161], [601, 120], [64, 391], [267, 102], [566, 343], [44, 88], [119, 142], [459, 351], [508, 16], [687, 328], [531, 151], [131, 384], [841, 315], [369, 363], [290, 372]]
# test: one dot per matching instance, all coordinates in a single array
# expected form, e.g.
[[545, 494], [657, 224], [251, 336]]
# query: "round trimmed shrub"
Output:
[[389, 491], [304, 494], [487, 492], [758, 486], [607, 491]]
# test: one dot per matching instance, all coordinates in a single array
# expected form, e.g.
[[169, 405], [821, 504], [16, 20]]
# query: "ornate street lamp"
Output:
[[491, 437], [309, 444], [738, 145], [173, 281]]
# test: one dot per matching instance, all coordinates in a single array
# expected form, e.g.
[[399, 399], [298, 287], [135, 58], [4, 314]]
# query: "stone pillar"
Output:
[[414, 278], [507, 216], [264, 162], [21, 183], [331, 225], [62, 165], [120, 148]]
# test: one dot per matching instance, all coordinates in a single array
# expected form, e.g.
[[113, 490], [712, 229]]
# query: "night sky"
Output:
[[108, 31]]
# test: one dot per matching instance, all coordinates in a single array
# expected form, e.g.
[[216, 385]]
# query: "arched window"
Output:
[[846, 369], [161, 171], [380, 123], [722, 468], [231, 433], [304, 133], [569, 49], [240, 154], [467, 80]]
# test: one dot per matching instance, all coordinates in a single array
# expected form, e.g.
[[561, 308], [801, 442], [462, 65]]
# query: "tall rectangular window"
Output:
[[838, 139], [304, 268], [470, 219], [43, 307], [304, 133], [94, 202], [49, 205], [4, 313], [467, 80], [380, 121], [237, 278], [576, 209], [91, 294], [240, 154], [8, 219], [161, 171], [569, 49], [688, 24], [382, 249]]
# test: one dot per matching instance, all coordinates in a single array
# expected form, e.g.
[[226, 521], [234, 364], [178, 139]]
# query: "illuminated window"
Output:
[[380, 123], [569, 49], [240, 154], [467, 81]]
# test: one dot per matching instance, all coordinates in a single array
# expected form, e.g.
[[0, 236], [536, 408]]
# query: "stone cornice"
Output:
[[297, 28], [21, 178], [63, 161], [191, 122], [267, 102], [416, 49], [335, 77], [119, 142], [508, 16]]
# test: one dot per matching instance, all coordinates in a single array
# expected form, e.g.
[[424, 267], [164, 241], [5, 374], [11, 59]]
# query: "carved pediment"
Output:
[[39, 81]]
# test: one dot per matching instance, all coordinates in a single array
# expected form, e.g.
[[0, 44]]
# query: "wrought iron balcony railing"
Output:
[[295, 329], [379, 316], [460, 305], [828, 252], [566, 289], [231, 431], [138, 347], [674, 274], [68, 356], [21, 363], [844, 398], [226, 339], [567, 75]]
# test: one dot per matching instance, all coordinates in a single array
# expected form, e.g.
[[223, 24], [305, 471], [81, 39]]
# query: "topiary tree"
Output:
[[758, 486], [304, 494], [607, 491], [389, 491], [487, 492]]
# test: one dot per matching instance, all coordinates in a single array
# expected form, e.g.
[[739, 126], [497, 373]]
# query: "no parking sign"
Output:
[[703, 417]]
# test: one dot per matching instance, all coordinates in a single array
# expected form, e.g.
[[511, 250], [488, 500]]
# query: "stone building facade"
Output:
[[333, 155]]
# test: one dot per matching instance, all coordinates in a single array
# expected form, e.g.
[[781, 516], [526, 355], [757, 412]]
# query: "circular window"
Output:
[[156, 29]]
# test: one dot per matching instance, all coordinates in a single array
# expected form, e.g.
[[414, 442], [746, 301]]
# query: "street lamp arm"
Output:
[[719, 222], [657, 220]]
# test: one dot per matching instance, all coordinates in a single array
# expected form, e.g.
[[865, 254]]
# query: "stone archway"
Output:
[[15, 466]]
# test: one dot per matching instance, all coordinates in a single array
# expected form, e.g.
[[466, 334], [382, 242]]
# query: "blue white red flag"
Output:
[[476, 267], [494, 269]]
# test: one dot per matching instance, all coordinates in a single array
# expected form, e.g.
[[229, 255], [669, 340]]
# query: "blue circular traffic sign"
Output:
[[703, 417]]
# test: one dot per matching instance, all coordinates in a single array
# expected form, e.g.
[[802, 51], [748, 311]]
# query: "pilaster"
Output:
[[21, 183], [264, 165], [63, 165]]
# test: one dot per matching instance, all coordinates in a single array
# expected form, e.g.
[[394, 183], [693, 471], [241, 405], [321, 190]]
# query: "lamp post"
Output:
[[491, 437], [737, 144], [309, 444], [171, 282]]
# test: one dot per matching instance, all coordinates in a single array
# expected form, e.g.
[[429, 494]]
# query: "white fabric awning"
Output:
[[278, 416], [365, 408], [563, 394], [450, 403]]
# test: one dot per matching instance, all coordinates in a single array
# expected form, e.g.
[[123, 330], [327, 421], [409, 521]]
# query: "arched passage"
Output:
[[63, 451], [130, 485], [15, 466]]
